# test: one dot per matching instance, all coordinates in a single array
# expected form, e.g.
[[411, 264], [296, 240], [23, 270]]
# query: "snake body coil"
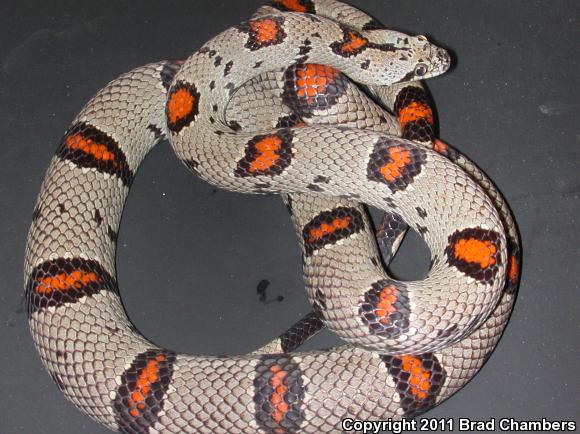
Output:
[[327, 149]]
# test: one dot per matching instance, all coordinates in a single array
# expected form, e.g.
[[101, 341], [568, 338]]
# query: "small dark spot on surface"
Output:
[[61, 208], [421, 212], [365, 64], [231, 87], [217, 61], [313, 18], [97, 217], [235, 126], [314, 187], [306, 47], [157, 131], [219, 133], [383, 119], [261, 289], [112, 234], [192, 165], [433, 260], [422, 229], [113, 330], [215, 107], [316, 35], [390, 202], [322, 179], [36, 212], [56, 378], [258, 64], [212, 53], [228, 67], [212, 85], [445, 333], [373, 25]]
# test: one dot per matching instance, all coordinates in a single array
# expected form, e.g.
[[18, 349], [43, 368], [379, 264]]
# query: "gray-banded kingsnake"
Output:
[[327, 147]]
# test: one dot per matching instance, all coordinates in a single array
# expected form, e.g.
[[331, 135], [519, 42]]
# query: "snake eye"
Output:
[[421, 70]]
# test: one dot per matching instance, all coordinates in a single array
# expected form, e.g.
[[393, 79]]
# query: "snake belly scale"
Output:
[[328, 149]]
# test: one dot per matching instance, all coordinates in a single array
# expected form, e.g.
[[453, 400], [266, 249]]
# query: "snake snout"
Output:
[[441, 60], [444, 58]]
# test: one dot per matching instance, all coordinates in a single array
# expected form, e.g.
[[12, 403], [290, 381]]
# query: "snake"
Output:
[[347, 124]]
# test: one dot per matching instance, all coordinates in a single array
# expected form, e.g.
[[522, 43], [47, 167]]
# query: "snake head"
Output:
[[406, 58], [429, 59]]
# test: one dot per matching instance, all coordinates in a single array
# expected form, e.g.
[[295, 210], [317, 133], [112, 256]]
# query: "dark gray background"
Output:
[[190, 257]]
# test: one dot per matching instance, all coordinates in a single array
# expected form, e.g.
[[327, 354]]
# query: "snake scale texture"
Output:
[[269, 106]]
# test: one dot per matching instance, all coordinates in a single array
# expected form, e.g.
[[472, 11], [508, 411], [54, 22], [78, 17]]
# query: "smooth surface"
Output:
[[190, 257]]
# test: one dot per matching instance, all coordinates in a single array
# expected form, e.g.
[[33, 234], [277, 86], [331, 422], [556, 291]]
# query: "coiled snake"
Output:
[[327, 148]]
